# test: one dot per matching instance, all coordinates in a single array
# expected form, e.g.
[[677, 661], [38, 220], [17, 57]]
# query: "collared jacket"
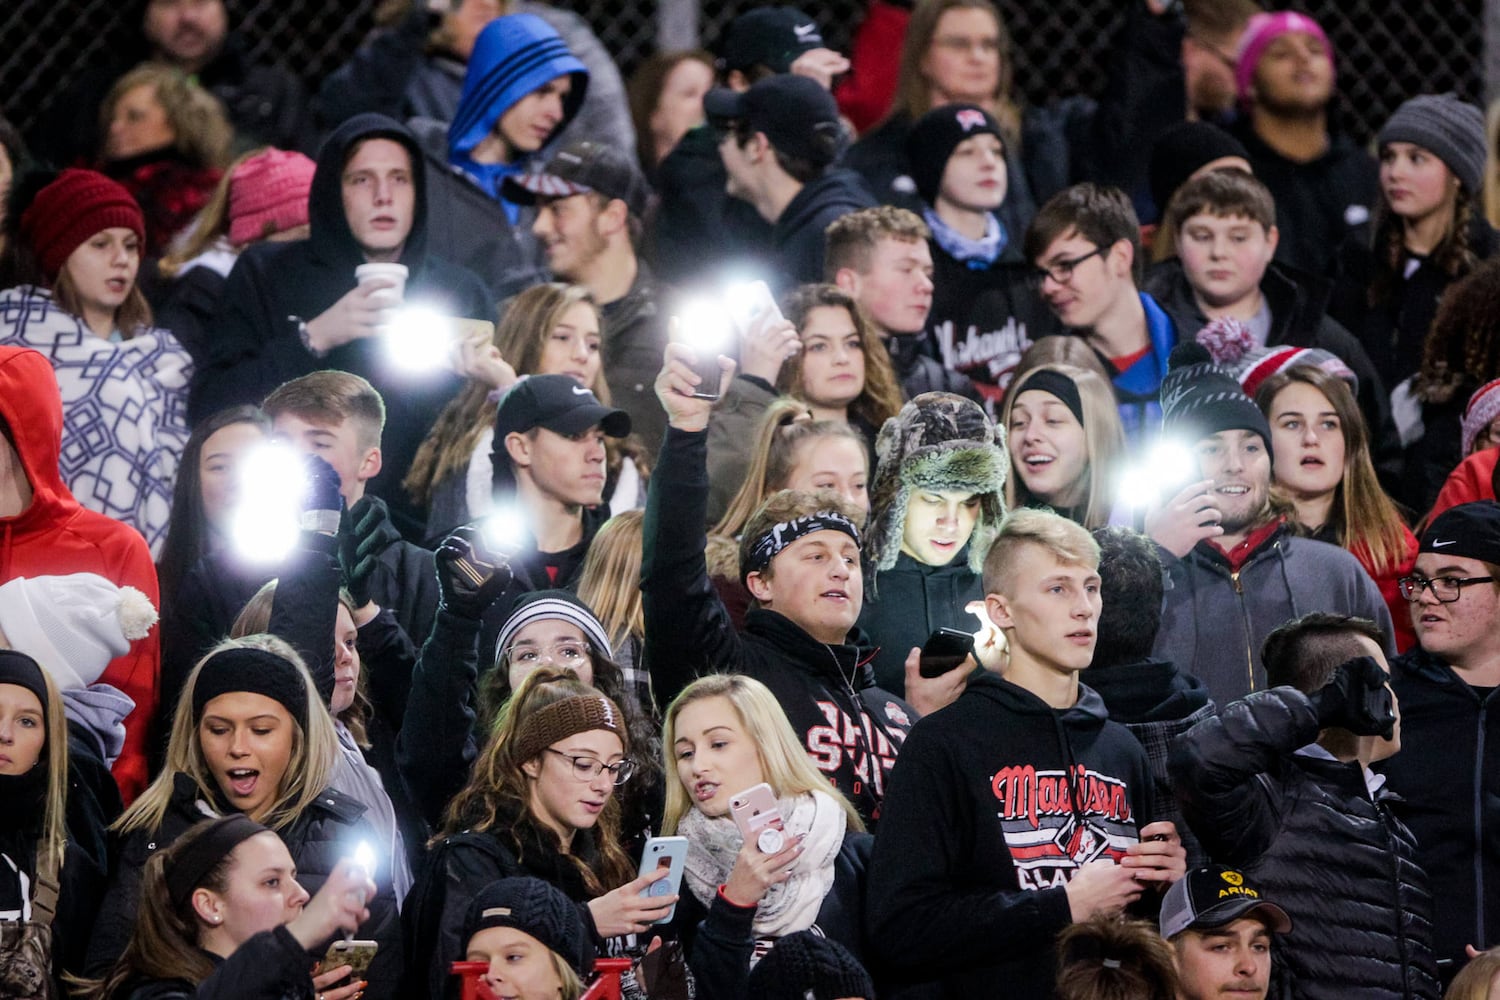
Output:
[[1309, 830], [1215, 618], [1448, 774]]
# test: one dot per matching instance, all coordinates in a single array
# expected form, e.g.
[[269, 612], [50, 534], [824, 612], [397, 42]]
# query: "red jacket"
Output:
[[865, 95], [1404, 635], [56, 535], [1474, 479]]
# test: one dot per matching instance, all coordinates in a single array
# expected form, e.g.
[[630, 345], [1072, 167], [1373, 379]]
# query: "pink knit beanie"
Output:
[[1260, 31], [268, 194]]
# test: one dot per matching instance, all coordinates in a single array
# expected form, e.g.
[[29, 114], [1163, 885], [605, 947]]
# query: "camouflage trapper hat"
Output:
[[939, 441]]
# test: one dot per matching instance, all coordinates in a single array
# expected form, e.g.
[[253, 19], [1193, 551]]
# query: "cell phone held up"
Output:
[[758, 815], [945, 649], [356, 954], [669, 853], [705, 326]]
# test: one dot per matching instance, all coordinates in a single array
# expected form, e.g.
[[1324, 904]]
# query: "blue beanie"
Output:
[[513, 56]]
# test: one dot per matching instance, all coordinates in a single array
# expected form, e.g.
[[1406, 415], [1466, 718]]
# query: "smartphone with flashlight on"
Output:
[[752, 306], [357, 954], [708, 328], [945, 649]]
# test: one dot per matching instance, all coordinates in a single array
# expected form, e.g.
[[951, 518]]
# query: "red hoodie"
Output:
[[56, 535]]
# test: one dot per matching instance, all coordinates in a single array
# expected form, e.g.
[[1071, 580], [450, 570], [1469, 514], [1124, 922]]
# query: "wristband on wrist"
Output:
[[326, 521], [305, 336]]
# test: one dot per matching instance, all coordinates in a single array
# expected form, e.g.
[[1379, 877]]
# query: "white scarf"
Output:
[[713, 845]]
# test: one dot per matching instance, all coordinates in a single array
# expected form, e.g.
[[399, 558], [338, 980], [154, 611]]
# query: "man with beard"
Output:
[[1235, 572], [1323, 183]]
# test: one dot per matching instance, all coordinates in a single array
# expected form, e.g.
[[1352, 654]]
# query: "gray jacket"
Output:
[[1214, 621]]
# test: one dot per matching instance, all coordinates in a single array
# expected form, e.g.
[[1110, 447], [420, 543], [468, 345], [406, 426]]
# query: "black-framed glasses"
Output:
[[1062, 271], [1446, 589], [588, 768]]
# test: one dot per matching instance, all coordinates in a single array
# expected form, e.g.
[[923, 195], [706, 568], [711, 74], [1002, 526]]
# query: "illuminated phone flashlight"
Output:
[[706, 326], [418, 340], [266, 521], [364, 857], [1168, 466], [504, 530]]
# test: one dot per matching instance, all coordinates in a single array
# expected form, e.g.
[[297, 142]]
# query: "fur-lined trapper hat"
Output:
[[939, 441]]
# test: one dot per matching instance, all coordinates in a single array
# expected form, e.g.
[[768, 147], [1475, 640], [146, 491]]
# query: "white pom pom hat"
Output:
[[73, 625]]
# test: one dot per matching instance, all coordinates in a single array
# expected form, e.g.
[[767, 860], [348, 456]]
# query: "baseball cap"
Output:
[[796, 114], [769, 36], [579, 168], [559, 404], [1214, 896], [1470, 530]]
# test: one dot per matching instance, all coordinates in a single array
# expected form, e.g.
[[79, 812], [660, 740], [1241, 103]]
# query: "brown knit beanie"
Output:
[[565, 718], [68, 212]]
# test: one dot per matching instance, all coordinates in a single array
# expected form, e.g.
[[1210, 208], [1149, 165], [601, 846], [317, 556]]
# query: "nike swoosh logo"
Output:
[[803, 30], [1438, 545], [579, 390]]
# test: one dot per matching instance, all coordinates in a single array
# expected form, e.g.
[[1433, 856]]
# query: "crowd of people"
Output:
[[784, 524]]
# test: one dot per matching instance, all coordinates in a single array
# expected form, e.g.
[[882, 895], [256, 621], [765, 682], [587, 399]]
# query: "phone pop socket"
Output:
[[770, 840]]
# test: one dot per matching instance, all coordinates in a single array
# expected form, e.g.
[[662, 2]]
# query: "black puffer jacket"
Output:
[[719, 938], [1308, 831], [851, 728], [1448, 774], [456, 870], [269, 966], [325, 833]]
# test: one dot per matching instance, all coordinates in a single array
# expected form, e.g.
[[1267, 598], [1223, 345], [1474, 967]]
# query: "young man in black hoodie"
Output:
[[1021, 808], [1449, 768], [780, 143], [294, 308], [799, 558]]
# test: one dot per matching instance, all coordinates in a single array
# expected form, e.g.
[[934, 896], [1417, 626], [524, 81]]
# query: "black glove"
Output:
[[322, 497], [366, 533], [1357, 699], [470, 577]]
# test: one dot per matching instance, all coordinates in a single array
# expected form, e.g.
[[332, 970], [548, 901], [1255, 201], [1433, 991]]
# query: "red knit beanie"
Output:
[[268, 194], [68, 212]]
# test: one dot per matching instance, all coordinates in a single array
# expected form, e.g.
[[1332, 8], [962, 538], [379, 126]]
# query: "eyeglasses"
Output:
[[567, 654], [588, 768], [1062, 271], [1446, 589]]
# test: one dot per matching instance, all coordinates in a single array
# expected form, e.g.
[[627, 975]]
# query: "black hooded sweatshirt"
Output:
[[851, 728], [257, 346], [994, 804], [797, 236]]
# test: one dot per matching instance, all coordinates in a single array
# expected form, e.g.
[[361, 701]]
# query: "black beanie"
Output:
[[934, 137], [243, 668], [1198, 398], [538, 908], [21, 670], [805, 964], [1182, 151]]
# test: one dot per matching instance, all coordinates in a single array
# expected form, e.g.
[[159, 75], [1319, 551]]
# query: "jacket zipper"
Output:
[[1394, 850], [1479, 824], [1239, 593]]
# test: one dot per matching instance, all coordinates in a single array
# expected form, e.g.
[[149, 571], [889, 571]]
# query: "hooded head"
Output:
[[31, 420], [332, 240], [939, 441], [513, 56]]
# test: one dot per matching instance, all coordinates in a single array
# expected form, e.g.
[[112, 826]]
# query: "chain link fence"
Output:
[[1386, 51]]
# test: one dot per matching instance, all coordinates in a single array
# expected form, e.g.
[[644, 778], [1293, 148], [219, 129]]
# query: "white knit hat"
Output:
[[73, 625]]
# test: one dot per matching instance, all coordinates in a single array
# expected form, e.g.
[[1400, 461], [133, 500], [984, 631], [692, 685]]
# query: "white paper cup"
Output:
[[390, 277]]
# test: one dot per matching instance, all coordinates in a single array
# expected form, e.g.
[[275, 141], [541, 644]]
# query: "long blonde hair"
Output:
[[199, 123], [783, 760], [913, 97], [1363, 518], [499, 789], [1103, 438], [611, 580], [54, 839], [211, 223], [530, 317], [314, 751]]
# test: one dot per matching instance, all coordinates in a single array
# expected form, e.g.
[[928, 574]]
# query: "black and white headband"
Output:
[[771, 544]]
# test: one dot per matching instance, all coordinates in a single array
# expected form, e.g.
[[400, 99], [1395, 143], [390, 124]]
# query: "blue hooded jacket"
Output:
[[513, 56]]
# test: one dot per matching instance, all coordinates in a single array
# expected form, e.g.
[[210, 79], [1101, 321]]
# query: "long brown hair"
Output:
[[530, 317], [498, 787], [880, 399], [784, 430], [1462, 349], [164, 943], [132, 317], [913, 90], [1453, 255], [643, 90], [1363, 518]]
